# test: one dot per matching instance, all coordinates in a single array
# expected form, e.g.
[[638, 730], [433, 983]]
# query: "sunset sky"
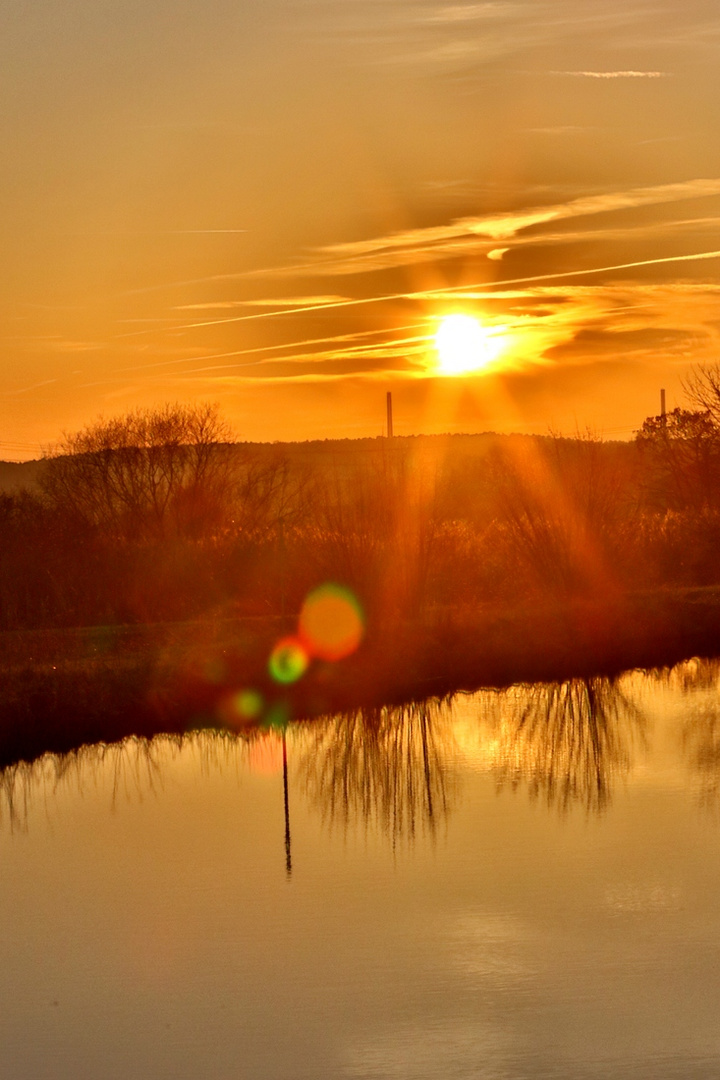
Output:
[[273, 204]]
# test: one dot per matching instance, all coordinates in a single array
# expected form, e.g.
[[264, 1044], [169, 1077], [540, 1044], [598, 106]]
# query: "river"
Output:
[[506, 885]]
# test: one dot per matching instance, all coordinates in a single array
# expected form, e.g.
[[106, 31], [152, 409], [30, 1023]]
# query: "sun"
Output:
[[464, 345]]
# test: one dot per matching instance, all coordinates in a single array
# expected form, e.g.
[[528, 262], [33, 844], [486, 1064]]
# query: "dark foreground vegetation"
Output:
[[149, 572]]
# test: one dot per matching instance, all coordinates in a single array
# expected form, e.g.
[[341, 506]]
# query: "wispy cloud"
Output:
[[56, 344], [463, 13], [614, 74], [425, 294], [29, 389], [581, 325], [435, 242], [280, 350], [543, 324], [279, 302], [402, 248], [205, 232], [560, 129], [408, 33]]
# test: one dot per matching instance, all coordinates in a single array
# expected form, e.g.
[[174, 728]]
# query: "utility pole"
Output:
[[281, 557], [389, 415]]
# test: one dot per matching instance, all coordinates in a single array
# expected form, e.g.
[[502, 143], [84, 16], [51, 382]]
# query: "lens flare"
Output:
[[277, 717], [244, 707], [288, 661], [249, 704], [331, 623]]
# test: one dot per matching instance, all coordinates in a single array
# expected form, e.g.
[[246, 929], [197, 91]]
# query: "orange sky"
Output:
[[196, 198]]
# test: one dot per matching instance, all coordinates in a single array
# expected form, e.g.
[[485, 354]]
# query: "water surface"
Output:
[[508, 885]]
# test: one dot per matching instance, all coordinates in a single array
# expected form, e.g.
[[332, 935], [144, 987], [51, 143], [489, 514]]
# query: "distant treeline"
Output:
[[160, 516]]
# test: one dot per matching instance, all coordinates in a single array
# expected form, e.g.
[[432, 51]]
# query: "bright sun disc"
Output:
[[464, 345]]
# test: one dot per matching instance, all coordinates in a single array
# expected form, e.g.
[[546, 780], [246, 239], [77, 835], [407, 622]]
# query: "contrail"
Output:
[[274, 348], [578, 273], [383, 350], [426, 293], [269, 314]]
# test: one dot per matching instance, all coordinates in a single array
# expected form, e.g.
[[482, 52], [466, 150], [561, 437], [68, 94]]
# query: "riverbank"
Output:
[[62, 689]]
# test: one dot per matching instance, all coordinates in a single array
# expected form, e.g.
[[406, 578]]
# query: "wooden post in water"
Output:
[[288, 852]]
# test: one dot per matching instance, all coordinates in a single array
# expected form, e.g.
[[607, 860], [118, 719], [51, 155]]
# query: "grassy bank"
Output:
[[65, 688]]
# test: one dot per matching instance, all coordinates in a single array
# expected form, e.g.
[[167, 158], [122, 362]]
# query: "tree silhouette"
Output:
[[682, 457], [151, 473]]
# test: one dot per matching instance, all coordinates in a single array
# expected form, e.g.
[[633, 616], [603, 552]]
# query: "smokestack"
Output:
[[389, 415], [663, 413]]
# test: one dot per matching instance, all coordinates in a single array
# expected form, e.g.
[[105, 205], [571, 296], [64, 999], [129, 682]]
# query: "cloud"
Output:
[[461, 13], [433, 242], [446, 293], [342, 343], [403, 354], [297, 301], [458, 237], [204, 232], [560, 129], [544, 326], [592, 342], [408, 33], [614, 74], [55, 343], [285, 301], [29, 389]]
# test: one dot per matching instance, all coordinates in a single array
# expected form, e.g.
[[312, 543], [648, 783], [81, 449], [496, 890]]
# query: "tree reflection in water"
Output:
[[392, 768], [690, 677], [700, 683], [136, 767], [389, 768], [567, 741]]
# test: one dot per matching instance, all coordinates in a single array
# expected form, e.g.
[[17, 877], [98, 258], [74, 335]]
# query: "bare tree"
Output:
[[702, 388], [150, 473], [682, 456], [559, 507], [377, 530], [272, 495]]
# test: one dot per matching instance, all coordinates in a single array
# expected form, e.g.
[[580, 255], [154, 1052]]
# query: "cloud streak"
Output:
[[542, 325], [505, 226], [425, 294], [338, 339], [417, 33], [287, 301], [482, 233], [614, 74]]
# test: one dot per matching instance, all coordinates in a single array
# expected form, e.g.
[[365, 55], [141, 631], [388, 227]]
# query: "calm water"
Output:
[[510, 885]]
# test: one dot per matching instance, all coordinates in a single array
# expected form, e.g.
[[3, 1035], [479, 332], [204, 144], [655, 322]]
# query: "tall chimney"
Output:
[[663, 412], [389, 414]]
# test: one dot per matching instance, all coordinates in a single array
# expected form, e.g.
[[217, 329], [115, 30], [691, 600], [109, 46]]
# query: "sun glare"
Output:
[[464, 345]]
